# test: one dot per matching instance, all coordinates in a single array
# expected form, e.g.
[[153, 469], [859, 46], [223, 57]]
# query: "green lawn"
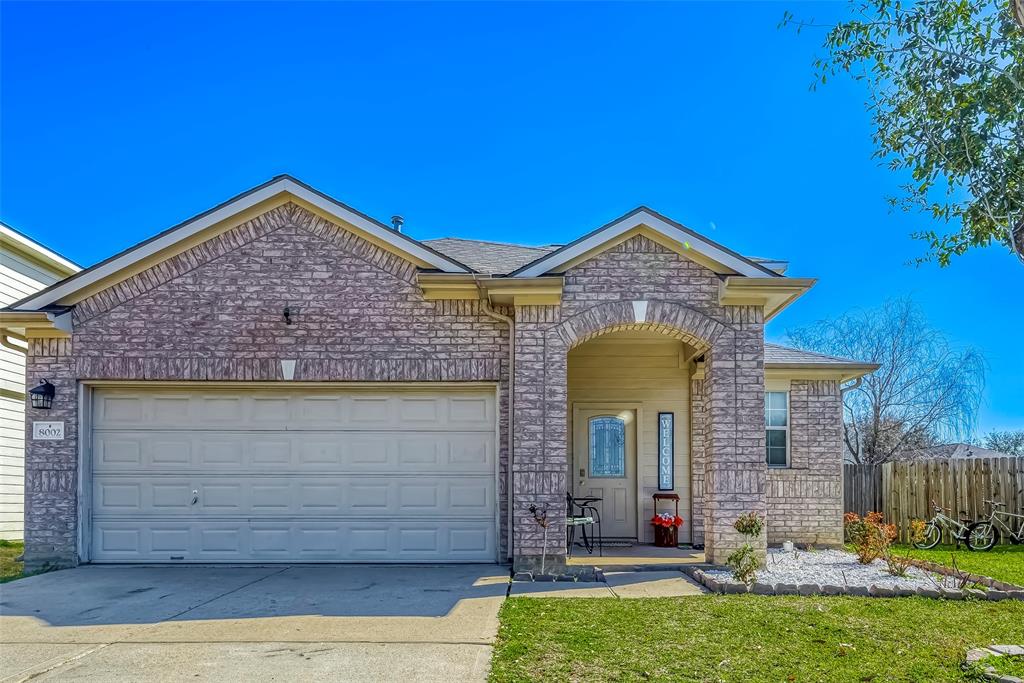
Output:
[[9, 569], [747, 638], [1003, 562]]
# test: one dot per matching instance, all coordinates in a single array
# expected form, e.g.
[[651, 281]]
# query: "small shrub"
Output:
[[749, 524], [869, 535], [744, 564]]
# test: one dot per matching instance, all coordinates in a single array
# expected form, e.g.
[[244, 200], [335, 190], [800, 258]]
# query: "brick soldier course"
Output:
[[212, 313]]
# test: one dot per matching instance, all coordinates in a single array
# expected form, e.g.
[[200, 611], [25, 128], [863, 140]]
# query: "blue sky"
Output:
[[527, 122]]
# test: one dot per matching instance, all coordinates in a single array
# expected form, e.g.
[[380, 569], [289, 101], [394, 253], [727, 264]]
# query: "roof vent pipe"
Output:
[[396, 223]]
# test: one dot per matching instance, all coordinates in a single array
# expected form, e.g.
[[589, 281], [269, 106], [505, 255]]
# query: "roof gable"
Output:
[[276, 192], [659, 228]]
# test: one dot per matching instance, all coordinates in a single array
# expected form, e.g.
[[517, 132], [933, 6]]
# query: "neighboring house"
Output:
[[25, 267], [283, 378], [949, 451]]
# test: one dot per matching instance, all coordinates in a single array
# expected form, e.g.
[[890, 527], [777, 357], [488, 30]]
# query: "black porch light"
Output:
[[42, 395]]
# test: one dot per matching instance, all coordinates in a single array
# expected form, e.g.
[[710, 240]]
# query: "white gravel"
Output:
[[836, 568]]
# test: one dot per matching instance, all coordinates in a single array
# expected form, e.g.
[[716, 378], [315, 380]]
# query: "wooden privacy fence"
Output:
[[903, 491], [862, 488]]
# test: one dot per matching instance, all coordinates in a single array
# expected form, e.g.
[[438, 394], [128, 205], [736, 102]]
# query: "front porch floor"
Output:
[[636, 557]]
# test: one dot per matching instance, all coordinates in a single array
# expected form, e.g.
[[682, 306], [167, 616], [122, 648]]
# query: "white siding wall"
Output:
[[19, 277]]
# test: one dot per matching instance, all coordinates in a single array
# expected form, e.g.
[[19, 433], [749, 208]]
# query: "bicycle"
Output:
[[959, 530], [984, 534]]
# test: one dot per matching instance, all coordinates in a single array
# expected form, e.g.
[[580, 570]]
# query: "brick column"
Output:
[[734, 471], [51, 467], [540, 439]]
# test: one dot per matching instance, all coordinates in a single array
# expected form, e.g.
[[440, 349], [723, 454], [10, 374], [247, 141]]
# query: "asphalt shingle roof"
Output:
[[490, 258], [776, 353]]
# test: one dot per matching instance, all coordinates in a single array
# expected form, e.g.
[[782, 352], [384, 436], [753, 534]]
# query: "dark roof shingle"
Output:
[[776, 353], [489, 258]]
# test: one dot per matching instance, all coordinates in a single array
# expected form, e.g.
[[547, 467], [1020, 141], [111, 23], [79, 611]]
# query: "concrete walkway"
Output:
[[276, 623], [625, 585]]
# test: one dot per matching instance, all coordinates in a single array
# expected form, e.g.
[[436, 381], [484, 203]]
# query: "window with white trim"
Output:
[[776, 425]]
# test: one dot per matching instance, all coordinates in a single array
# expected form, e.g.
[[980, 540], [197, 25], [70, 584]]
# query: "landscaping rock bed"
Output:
[[837, 572]]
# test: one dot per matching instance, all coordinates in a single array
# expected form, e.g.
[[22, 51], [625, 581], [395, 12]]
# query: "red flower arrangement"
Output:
[[666, 520]]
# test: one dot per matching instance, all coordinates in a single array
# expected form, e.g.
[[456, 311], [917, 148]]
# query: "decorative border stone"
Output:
[[979, 654], [807, 589], [987, 581]]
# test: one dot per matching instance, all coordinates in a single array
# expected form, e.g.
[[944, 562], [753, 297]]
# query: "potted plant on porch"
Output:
[[666, 529]]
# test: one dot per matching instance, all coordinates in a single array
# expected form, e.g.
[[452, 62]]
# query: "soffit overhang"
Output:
[[773, 294], [540, 291]]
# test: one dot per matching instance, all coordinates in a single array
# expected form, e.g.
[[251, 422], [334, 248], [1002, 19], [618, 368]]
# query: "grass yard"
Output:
[[747, 638], [9, 569], [1003, 562]]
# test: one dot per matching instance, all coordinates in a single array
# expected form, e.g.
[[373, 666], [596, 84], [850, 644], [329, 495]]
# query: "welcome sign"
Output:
[[666, 451]]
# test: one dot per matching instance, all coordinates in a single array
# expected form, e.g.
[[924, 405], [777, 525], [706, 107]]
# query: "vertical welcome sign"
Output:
[[666, 451]]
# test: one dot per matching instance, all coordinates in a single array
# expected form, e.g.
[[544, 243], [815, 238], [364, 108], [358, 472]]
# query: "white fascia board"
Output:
[[35, 248], [284, 185], [698, 244]]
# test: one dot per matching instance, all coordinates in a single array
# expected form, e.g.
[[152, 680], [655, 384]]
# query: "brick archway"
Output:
[[675, 320], [734, 469]]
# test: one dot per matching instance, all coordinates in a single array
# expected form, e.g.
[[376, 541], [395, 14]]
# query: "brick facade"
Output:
[[806, 498], [639, 284], [215, 313]]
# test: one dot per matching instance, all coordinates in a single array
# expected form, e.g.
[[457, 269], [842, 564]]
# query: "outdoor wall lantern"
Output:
[[42, 395]]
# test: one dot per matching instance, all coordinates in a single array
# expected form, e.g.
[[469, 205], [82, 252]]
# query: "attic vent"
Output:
[[396, 223]]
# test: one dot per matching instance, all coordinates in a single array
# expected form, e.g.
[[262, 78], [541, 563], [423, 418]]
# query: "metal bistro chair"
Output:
[[587, 516]]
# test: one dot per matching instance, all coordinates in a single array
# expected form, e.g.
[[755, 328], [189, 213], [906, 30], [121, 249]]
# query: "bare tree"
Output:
[[1010, 441], [925, 391]]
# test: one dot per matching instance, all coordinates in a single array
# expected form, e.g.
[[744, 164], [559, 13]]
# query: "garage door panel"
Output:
[[352, 452], [295, 540], [235, 475], [463, 410], [215, 496]]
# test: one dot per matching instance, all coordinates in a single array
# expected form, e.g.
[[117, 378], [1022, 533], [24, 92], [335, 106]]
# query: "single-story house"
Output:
[[283, 378], [26, 266], [950, 451]]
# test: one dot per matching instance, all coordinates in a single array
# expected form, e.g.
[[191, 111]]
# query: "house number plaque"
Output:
[[47, 431]]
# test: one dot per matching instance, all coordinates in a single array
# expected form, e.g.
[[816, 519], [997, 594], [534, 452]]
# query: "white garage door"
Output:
[[229, 475]]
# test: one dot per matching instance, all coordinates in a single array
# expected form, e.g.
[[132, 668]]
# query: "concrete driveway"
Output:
[[276, 623]]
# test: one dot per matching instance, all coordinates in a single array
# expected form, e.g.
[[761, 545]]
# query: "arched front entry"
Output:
[[732, 472]]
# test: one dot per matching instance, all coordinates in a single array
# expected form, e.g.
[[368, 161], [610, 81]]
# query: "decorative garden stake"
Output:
[[541, 517]]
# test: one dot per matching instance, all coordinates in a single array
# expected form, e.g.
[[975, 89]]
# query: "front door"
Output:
[[604, 466]]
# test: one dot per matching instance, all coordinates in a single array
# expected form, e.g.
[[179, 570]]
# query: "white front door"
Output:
[[230, 474], [604, 466]]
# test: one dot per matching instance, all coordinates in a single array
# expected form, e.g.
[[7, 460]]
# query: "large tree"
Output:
[[926, 390], [946, 93]]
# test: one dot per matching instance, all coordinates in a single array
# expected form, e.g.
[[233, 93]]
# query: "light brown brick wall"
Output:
[[806, 499]]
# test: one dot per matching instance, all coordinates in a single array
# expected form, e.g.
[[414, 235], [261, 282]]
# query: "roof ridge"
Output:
[[504, 244]]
